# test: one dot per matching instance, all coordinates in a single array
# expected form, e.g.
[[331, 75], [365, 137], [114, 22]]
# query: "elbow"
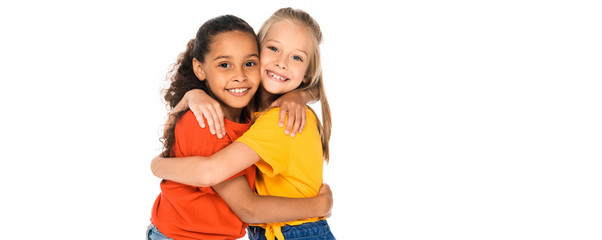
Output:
[[204, 176], [204, 179], [248, 215], [154, 168], [246, 209]]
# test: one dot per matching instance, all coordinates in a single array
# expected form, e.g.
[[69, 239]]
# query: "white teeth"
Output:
[[276, 76], [238, 90]]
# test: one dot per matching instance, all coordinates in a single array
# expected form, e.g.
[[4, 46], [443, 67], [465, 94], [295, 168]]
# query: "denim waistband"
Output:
[[318, 228]]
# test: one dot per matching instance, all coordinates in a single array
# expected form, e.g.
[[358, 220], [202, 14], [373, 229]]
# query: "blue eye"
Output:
[[297, 58], [273, 49]]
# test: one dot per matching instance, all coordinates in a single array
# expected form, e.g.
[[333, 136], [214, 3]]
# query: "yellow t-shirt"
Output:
[[290, 166]]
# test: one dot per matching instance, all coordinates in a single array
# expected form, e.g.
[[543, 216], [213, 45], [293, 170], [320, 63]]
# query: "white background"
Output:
[[452, 119]]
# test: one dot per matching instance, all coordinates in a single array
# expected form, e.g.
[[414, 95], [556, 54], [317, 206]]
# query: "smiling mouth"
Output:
[[276, 76], [238, 91]]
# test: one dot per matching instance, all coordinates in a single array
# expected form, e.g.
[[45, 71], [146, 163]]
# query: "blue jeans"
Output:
[[308, 231], [152, 233]]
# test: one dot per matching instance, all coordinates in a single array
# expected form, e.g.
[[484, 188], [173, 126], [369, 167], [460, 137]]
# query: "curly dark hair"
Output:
[[181, 76]]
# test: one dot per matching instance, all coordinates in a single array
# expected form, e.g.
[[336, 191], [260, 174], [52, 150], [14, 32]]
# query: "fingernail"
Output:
[[281, 124], [286, 132], [293, 135]]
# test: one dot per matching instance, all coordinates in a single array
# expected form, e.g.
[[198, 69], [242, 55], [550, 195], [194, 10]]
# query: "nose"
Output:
[[239, 75], [281, 63]]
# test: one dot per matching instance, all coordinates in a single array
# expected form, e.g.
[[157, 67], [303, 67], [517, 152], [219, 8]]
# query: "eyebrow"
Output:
[[228, 57], [298, 49], [220, 57]]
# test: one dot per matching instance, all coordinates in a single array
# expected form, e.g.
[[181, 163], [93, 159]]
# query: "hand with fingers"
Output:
[[201, 104], [293, 105]]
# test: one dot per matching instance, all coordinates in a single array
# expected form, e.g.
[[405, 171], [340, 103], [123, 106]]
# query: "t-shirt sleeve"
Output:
[[268, 140]]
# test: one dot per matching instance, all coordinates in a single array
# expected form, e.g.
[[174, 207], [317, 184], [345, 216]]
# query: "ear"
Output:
[[197, 68]]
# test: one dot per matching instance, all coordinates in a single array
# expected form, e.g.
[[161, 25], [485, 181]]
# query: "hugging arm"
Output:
[[252, 208], [249, 207], [293, 103], [206, 171]]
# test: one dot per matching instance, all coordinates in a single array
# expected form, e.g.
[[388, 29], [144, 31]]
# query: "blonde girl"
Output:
[[289, 166]]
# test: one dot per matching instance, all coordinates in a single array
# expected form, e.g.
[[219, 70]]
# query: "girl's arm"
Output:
[[252, 208], [293, 103], [206, 171], [201, 104]]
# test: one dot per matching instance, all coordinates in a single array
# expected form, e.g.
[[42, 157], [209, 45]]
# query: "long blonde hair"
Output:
[[314, 70]]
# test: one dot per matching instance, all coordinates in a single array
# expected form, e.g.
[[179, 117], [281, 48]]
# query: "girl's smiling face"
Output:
[[231, 69], [285, 55]]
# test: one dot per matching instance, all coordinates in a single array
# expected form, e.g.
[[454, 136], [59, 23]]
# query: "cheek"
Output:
[[262, 67], [255, 77], [263, 61], [301, 72]]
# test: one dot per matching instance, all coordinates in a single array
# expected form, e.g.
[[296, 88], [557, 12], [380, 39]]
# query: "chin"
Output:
[[239, 106], [275, 91]]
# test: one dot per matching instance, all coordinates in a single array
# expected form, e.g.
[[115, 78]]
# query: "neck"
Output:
[[232, 114], [266, 98]]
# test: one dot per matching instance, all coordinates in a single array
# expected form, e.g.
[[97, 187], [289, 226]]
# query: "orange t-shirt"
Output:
[[187, 212]]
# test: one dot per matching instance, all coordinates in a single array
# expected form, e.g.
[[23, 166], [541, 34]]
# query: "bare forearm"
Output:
[[268, 209], [206, 171], [310, 95], [252, 208], [187, 170], [182, 104]]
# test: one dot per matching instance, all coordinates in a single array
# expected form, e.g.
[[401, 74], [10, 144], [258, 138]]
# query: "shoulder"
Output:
[[311, 116], [267, 124], [188, 119], [192, 140], [270, 113], [274, 113], [266, 119], [188, 125]]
